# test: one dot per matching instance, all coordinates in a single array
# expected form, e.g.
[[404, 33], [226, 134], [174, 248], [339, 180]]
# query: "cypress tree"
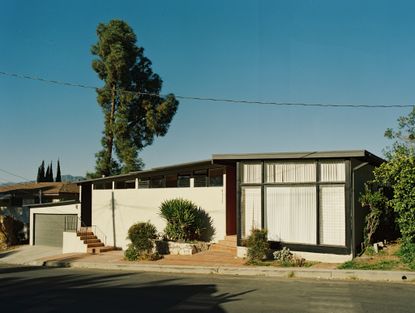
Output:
[[41, 173], [58, 173]]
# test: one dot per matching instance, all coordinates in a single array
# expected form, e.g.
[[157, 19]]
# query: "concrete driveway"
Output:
[[28, 254]]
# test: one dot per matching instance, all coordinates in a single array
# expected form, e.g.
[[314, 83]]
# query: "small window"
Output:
[[333, 171], [252, 173], [129, 184], [157, 182], [290, 172], [106, 185], [183, 181], [143, 183], [201, 181], [171, 181], [216, 177]]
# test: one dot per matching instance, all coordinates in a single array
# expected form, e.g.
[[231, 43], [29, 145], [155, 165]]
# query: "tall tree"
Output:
[[49, 173], [134, 111], [41, 173], [58, 178]]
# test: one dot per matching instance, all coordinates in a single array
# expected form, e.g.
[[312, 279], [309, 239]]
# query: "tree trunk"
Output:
[[110, 138]]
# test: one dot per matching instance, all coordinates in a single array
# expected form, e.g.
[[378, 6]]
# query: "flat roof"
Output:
[[220, 159], [181, 166], [300, 155]]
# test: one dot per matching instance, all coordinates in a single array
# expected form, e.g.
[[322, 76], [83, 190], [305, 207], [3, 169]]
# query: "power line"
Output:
[[210, 99], [10, 173]]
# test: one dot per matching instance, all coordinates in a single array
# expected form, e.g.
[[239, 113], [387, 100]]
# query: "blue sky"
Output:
[[342, 52]]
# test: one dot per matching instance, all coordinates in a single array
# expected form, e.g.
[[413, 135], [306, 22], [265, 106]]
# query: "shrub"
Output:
[[185, 221], [407, 254], [286, 258], [257, 244], [142, 237], [10, 229]]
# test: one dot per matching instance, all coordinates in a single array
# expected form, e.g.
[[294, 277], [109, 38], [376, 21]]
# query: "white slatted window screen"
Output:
[[333, 171], [332, 215], [291, 214], [290, 172], [252, 173], [251, 205]]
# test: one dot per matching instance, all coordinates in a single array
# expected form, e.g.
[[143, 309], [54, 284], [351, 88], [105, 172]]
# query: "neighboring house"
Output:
[[16, 199], [307, 201]]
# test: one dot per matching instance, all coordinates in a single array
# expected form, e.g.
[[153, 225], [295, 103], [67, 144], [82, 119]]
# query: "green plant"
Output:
[[185, 221], [380, 265], [407, 254], [258, 245], [285, 258], [142, 237]]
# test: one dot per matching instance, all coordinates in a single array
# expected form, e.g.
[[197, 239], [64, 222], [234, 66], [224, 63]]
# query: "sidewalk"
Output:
[[214, 263]]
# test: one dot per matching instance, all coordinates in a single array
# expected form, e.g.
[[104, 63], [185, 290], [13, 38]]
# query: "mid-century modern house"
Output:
[[308, 201]]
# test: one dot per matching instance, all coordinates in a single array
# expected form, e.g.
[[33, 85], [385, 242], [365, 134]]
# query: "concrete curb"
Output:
[[364, 275]]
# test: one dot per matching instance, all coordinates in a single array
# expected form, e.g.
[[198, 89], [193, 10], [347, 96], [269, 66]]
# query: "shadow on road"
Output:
[[103, 293]]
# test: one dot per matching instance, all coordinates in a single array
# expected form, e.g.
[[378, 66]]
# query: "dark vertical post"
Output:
[[113, 218]]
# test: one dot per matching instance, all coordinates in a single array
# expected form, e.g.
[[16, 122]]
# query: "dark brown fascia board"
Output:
[[360, 154], [50, 204], [152, 171]]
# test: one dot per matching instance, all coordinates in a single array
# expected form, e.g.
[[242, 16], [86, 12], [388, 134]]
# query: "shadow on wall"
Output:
[[53, 290], [207, 230]]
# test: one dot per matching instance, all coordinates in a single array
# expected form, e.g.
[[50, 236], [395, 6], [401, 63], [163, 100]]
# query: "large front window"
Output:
[[300, 202]]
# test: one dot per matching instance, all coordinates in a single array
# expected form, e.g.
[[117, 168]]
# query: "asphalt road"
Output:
[[37, 289]]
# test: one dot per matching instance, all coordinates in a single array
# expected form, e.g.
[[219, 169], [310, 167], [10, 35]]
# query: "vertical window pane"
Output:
[[252, 173], [332, 171], [291, 214], [332, 215], [291, 172], [251, 209]]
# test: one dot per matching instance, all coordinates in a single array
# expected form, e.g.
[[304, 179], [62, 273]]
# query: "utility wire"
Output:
[[10, 173], [323, 105]]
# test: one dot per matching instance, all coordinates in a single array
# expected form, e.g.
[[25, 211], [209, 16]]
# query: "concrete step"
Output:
[[221, 248], [90, 237], [227, 243], [95, 244], [232, 238], [88, 241], [84, 233]]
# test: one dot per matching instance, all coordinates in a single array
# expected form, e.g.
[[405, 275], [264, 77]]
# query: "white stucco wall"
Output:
[[73, 208], [72, 243], [142, 205]]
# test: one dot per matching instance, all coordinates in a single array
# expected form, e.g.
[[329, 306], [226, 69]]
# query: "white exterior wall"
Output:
[[74, 208], [72, 243], [142, 205]]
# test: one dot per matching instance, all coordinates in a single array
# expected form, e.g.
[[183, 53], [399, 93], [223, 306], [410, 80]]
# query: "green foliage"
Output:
[[58, 173], [258, 245], [379, 213], [185, 221], [131, 254], [383, 265], [41, 173], [398, 174], [407, 254], [131, 119], [142, 237]]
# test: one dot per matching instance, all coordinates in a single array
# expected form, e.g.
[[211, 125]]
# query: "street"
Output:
[[39, 289]]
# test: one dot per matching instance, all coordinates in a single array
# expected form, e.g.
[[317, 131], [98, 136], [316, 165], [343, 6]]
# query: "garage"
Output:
[[49, 228]]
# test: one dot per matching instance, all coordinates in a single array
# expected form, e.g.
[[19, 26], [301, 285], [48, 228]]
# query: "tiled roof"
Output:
[[47, 188]]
